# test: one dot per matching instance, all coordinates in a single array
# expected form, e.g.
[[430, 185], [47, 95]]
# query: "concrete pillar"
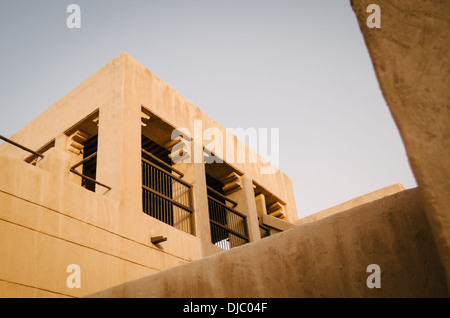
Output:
[[188, 171], [119, 154], [109, 151], [57, 162], [260, 202], [203, 227], [195, 174], [73, 145], [58, 158], [131, 181], [245, 198]]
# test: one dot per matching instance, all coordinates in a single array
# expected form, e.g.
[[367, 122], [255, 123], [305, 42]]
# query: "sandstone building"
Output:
[[91, 182], [198, 232]]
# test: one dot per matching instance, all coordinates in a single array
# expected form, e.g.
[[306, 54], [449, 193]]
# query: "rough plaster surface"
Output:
[[411, 54], [326, 258], [42, 234]]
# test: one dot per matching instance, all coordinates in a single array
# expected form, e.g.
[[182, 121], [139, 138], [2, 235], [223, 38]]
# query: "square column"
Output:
[[241, 191]]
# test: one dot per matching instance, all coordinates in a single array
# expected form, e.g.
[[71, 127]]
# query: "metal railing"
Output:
[[166, 197], [21, 147], [228, 226], [221, 196], [91, 157]]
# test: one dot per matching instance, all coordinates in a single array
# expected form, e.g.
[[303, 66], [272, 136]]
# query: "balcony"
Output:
[[165, 196], [228, 226]]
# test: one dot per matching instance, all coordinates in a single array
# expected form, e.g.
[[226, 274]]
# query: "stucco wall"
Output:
[[411, 54], [326, 258], [48, 223]]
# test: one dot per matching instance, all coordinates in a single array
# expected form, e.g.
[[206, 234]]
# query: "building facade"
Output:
[[115, 182]]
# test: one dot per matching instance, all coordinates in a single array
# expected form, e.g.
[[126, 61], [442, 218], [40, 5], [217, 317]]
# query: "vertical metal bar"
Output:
[[159, 208], [168, 204], [144, 204], [158, 182], [144, 193], [191, 215], [179, 192], [164, 216], [158, 189], [166, 211], [179, 197], [147, 210], [163, 183], [142, 188], [148, 185], [161, 178], [150, 205], [154, 203], [211, 206], [162, 208]]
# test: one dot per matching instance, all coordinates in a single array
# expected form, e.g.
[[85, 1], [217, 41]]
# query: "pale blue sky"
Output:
[[300, 66]]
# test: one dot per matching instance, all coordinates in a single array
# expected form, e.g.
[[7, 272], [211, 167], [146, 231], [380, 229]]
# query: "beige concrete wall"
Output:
[[411, 54], [48, 223], [327, 258], [363, 199]]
